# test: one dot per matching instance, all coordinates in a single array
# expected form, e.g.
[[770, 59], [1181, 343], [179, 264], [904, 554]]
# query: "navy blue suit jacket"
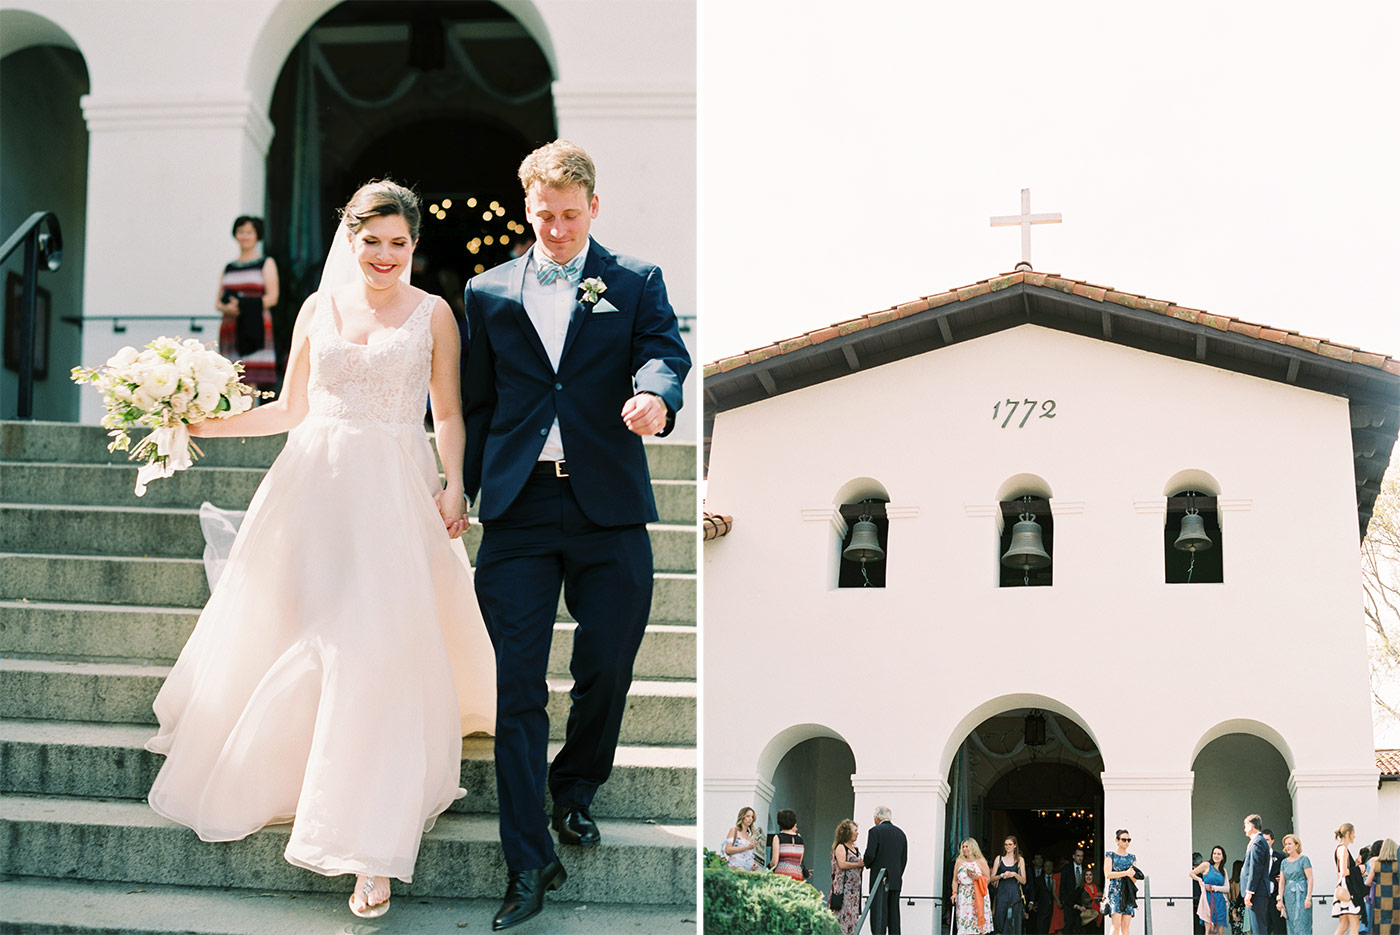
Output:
[[511, 396], [1254, 875]]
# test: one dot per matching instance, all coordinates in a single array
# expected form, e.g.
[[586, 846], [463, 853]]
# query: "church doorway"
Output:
[[1032, 774], [814, 780], [44, 149], [444, 97], [1239, 773]]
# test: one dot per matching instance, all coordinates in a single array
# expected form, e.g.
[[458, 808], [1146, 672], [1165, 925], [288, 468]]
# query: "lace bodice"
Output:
[[384, 382]]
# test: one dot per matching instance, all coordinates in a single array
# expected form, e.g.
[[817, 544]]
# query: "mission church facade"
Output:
[[1119, 682]]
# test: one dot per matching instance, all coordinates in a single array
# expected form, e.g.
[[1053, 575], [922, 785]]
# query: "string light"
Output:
[[432, 209], [471, 202], [447, 202], [488, 240], [479, 268]]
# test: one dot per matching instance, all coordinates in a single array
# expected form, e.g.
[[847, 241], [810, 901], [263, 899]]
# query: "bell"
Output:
[[1027, 548], [1193, 536], [865, 543]]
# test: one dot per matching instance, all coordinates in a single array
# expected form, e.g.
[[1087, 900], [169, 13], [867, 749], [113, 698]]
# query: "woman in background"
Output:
[[248, 291], [1119, 864], [846, 866], [1211, 876], [1007, 880], [973, 914], [1295, 886], [739, 845], [785, 852], [1381, 875]]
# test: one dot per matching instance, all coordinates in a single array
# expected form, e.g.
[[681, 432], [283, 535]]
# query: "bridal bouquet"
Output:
[[166, 387]]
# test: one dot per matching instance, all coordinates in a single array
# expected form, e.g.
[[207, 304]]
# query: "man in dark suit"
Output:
[[1254, 875], [1276, 921], [1071, 882], [570, 354], [886, 848], [1043, 889]]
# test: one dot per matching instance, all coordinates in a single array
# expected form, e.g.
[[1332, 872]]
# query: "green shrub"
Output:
[[739, 902]]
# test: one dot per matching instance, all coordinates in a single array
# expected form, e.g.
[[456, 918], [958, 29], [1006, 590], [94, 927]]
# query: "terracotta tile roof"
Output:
[[717, 525], [1388, 762], [1321, 346]]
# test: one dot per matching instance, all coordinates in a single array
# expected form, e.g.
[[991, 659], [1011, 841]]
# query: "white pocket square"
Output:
[[603, 305]]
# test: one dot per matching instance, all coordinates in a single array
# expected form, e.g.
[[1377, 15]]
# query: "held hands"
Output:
[[452, 507], [644, 414]]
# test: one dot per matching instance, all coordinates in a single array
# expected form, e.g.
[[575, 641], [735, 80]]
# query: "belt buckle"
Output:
[[559, 469]]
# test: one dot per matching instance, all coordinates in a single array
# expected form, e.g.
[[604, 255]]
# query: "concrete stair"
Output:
[[99, 591]]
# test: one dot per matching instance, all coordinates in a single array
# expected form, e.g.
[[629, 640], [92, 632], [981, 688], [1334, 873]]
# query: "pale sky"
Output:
[[1237, 158]]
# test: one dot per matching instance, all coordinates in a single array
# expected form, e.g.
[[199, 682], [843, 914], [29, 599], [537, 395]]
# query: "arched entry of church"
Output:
[[44, 150], [813, 778], [445, 97], [1240, 769], [1027, 772]]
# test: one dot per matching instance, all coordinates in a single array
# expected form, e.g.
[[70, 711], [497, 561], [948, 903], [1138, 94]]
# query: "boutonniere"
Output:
[[593, 289]]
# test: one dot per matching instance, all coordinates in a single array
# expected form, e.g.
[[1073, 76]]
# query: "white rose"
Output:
[[142, 399], [161, 380], [123, 358], [240, 403], [208, 396]]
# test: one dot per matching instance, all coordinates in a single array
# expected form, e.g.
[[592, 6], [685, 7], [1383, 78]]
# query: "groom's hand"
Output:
[[644, 414]]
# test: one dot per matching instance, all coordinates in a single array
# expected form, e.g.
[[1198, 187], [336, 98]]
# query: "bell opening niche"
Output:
[[1192, 540], [863, 547], [1026, 547]]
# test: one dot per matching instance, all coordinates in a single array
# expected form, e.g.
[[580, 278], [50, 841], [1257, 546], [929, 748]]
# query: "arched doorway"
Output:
[[1032, 773], [445, 97], [44, 149], [813, 778], [1238, 773]]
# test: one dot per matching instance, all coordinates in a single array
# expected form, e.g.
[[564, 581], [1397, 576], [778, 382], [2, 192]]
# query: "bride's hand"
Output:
[[452, 507]]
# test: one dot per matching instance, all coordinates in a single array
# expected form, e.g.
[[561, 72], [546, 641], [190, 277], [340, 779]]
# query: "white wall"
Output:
[[1125, 422]]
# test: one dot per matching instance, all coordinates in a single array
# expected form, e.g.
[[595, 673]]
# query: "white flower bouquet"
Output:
[[166, 387]]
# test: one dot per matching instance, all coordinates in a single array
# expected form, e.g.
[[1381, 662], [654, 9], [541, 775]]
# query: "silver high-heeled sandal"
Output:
[[370, 911]]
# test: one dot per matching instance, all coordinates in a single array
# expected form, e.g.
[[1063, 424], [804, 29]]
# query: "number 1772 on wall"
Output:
[[1027, 407]]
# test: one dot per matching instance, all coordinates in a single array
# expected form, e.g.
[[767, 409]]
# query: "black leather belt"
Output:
[[550, 469]]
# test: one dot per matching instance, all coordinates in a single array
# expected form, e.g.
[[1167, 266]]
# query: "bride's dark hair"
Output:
[[382, 198]]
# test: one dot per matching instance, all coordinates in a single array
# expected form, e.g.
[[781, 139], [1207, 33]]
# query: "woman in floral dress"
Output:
[[973, 913], [846, 866], [1119, 864]]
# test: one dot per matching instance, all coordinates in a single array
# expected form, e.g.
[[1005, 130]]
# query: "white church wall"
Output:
[[44, 154], [179, 136], [1112, 640]]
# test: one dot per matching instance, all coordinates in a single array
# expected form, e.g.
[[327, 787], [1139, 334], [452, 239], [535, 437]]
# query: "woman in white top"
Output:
[[739, 843]]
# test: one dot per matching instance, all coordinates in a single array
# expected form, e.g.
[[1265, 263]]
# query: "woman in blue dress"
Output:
[[1214, 889], [1118, 865], [1295, 887]]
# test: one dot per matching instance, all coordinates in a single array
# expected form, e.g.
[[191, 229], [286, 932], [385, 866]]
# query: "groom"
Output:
[[570, 354]]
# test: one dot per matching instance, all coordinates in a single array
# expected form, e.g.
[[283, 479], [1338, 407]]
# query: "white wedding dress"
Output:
[[341, 657]]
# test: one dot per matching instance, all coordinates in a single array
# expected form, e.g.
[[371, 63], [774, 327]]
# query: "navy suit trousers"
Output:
[[543, 541]]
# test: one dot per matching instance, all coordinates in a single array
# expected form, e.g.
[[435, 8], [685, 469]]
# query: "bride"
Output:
[[341, 657]]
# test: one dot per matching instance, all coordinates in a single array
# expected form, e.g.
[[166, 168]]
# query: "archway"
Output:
[[1031, 772], [1240, 768], [813, 778], [44, 149], [445, 97]]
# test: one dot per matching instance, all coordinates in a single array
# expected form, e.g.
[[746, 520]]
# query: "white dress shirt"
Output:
[[550, 308]]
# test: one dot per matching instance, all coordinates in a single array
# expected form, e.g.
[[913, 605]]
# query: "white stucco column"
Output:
[[821, 540], [1155, 808], [724, 796], [917, 805], [1323, 800], [166, 177]]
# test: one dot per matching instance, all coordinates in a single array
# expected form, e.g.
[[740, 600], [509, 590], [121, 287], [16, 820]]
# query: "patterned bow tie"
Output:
[[548, 271]]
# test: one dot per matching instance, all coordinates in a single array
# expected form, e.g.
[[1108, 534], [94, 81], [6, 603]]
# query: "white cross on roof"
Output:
[[1024, 220]]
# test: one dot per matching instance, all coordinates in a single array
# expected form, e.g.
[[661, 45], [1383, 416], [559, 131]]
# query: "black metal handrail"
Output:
[[119, 328], [876, 885], [51, 246]]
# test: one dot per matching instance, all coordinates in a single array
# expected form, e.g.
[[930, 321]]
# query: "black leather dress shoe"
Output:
[[525, 894], [576, 826]]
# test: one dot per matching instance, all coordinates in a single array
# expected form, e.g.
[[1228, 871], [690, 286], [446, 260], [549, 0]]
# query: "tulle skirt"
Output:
[[339, 662]]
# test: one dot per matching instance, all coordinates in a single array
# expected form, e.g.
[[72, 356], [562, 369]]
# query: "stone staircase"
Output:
[[99, 591]]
